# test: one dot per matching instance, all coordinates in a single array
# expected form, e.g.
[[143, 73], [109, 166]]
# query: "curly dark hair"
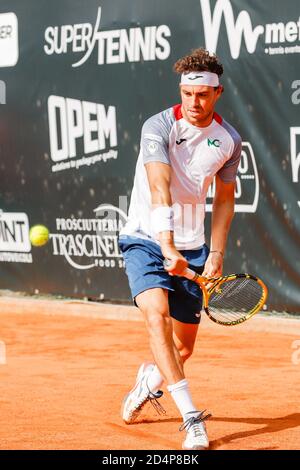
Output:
[[199, 60]]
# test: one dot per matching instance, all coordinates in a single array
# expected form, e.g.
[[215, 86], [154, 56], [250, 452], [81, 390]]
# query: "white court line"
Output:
[[2, 353]]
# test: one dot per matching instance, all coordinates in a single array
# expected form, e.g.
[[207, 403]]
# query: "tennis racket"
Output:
[[229, 300]]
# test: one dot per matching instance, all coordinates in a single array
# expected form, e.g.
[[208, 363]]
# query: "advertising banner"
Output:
[[77, 81]]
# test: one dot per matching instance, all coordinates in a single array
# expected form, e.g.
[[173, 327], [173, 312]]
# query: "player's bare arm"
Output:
[[159, 177], [222, 214]]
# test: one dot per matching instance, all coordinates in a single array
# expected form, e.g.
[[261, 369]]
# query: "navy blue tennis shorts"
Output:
[[145, 270]]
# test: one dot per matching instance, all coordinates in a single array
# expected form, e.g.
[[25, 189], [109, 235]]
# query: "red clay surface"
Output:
[[66, 376]]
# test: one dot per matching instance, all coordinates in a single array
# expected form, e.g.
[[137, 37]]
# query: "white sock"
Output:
[[155, 380], [181, 395]]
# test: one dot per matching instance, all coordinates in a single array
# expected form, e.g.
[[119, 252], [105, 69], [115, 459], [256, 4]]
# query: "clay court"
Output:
[[69, 364]]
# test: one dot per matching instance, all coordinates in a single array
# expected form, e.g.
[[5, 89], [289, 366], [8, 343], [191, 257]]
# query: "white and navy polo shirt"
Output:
[[195, 155]]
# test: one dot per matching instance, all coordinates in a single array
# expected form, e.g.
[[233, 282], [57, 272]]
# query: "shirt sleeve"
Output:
[[229, 170], [155, 139]]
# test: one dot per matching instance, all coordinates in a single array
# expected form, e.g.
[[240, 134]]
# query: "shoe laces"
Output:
[[153, 398], [193, 424]]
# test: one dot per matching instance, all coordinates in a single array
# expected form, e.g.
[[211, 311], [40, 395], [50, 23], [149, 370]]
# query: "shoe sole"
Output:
[[139, 374], [195, 448], [123, 408], [133, 419]]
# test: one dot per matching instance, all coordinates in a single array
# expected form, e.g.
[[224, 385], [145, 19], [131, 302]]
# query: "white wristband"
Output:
[[162, 219]]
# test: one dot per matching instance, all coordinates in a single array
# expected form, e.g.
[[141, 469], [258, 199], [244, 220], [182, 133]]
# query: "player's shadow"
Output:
[[158, 420], [270, 425]]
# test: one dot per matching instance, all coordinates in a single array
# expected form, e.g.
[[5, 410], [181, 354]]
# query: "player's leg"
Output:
[[184, 336], [144, 267], [149, 283], [171, 339], [154, 306], [185, 306]]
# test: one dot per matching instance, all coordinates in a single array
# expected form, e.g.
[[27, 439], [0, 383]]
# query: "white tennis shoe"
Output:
[[196, 434], [136, 399]]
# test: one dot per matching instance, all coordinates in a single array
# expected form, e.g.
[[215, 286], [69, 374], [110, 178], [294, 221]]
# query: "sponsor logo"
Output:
[[152, 147], [2, 92], [214, 143], [15, 245], [195, 77], [283, 36], [295, 155], [295, 97], [9, 46], [113, 47], [247, 183], [78, 131], [90, 243], [178, 142]]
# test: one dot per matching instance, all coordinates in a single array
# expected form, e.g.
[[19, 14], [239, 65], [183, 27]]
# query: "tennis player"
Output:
[[182, 149]]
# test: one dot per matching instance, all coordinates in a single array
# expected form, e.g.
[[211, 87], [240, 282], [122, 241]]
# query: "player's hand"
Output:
[[176, 262], [213, 266]]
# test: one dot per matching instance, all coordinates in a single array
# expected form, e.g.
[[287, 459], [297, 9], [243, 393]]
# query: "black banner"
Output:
[[77, 80], [138, 459]]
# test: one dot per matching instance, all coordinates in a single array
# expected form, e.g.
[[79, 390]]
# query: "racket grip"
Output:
[[188, 273]]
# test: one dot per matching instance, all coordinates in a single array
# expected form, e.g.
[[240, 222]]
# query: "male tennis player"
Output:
[[182, 149]]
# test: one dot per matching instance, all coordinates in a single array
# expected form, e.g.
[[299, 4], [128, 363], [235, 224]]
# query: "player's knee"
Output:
[[155, 310], [158, 321]]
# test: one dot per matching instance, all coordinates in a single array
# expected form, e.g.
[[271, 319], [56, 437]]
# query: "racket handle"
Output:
[[188, 273]]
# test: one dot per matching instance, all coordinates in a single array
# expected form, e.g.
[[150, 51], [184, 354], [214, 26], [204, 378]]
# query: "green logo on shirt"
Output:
[[215, 142]]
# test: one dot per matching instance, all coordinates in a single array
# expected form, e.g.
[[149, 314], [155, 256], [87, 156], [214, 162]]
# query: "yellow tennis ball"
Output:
[[38, 235]]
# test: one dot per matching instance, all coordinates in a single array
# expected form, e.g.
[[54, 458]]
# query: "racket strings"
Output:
[[235, 299]]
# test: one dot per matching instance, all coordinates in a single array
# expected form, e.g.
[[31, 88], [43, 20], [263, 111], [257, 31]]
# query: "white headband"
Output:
[[200, 78]]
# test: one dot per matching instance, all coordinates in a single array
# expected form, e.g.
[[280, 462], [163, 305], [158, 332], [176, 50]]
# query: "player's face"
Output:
[[198, 103]]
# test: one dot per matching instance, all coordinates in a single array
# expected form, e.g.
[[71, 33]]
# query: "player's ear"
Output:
[[219, 90]]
